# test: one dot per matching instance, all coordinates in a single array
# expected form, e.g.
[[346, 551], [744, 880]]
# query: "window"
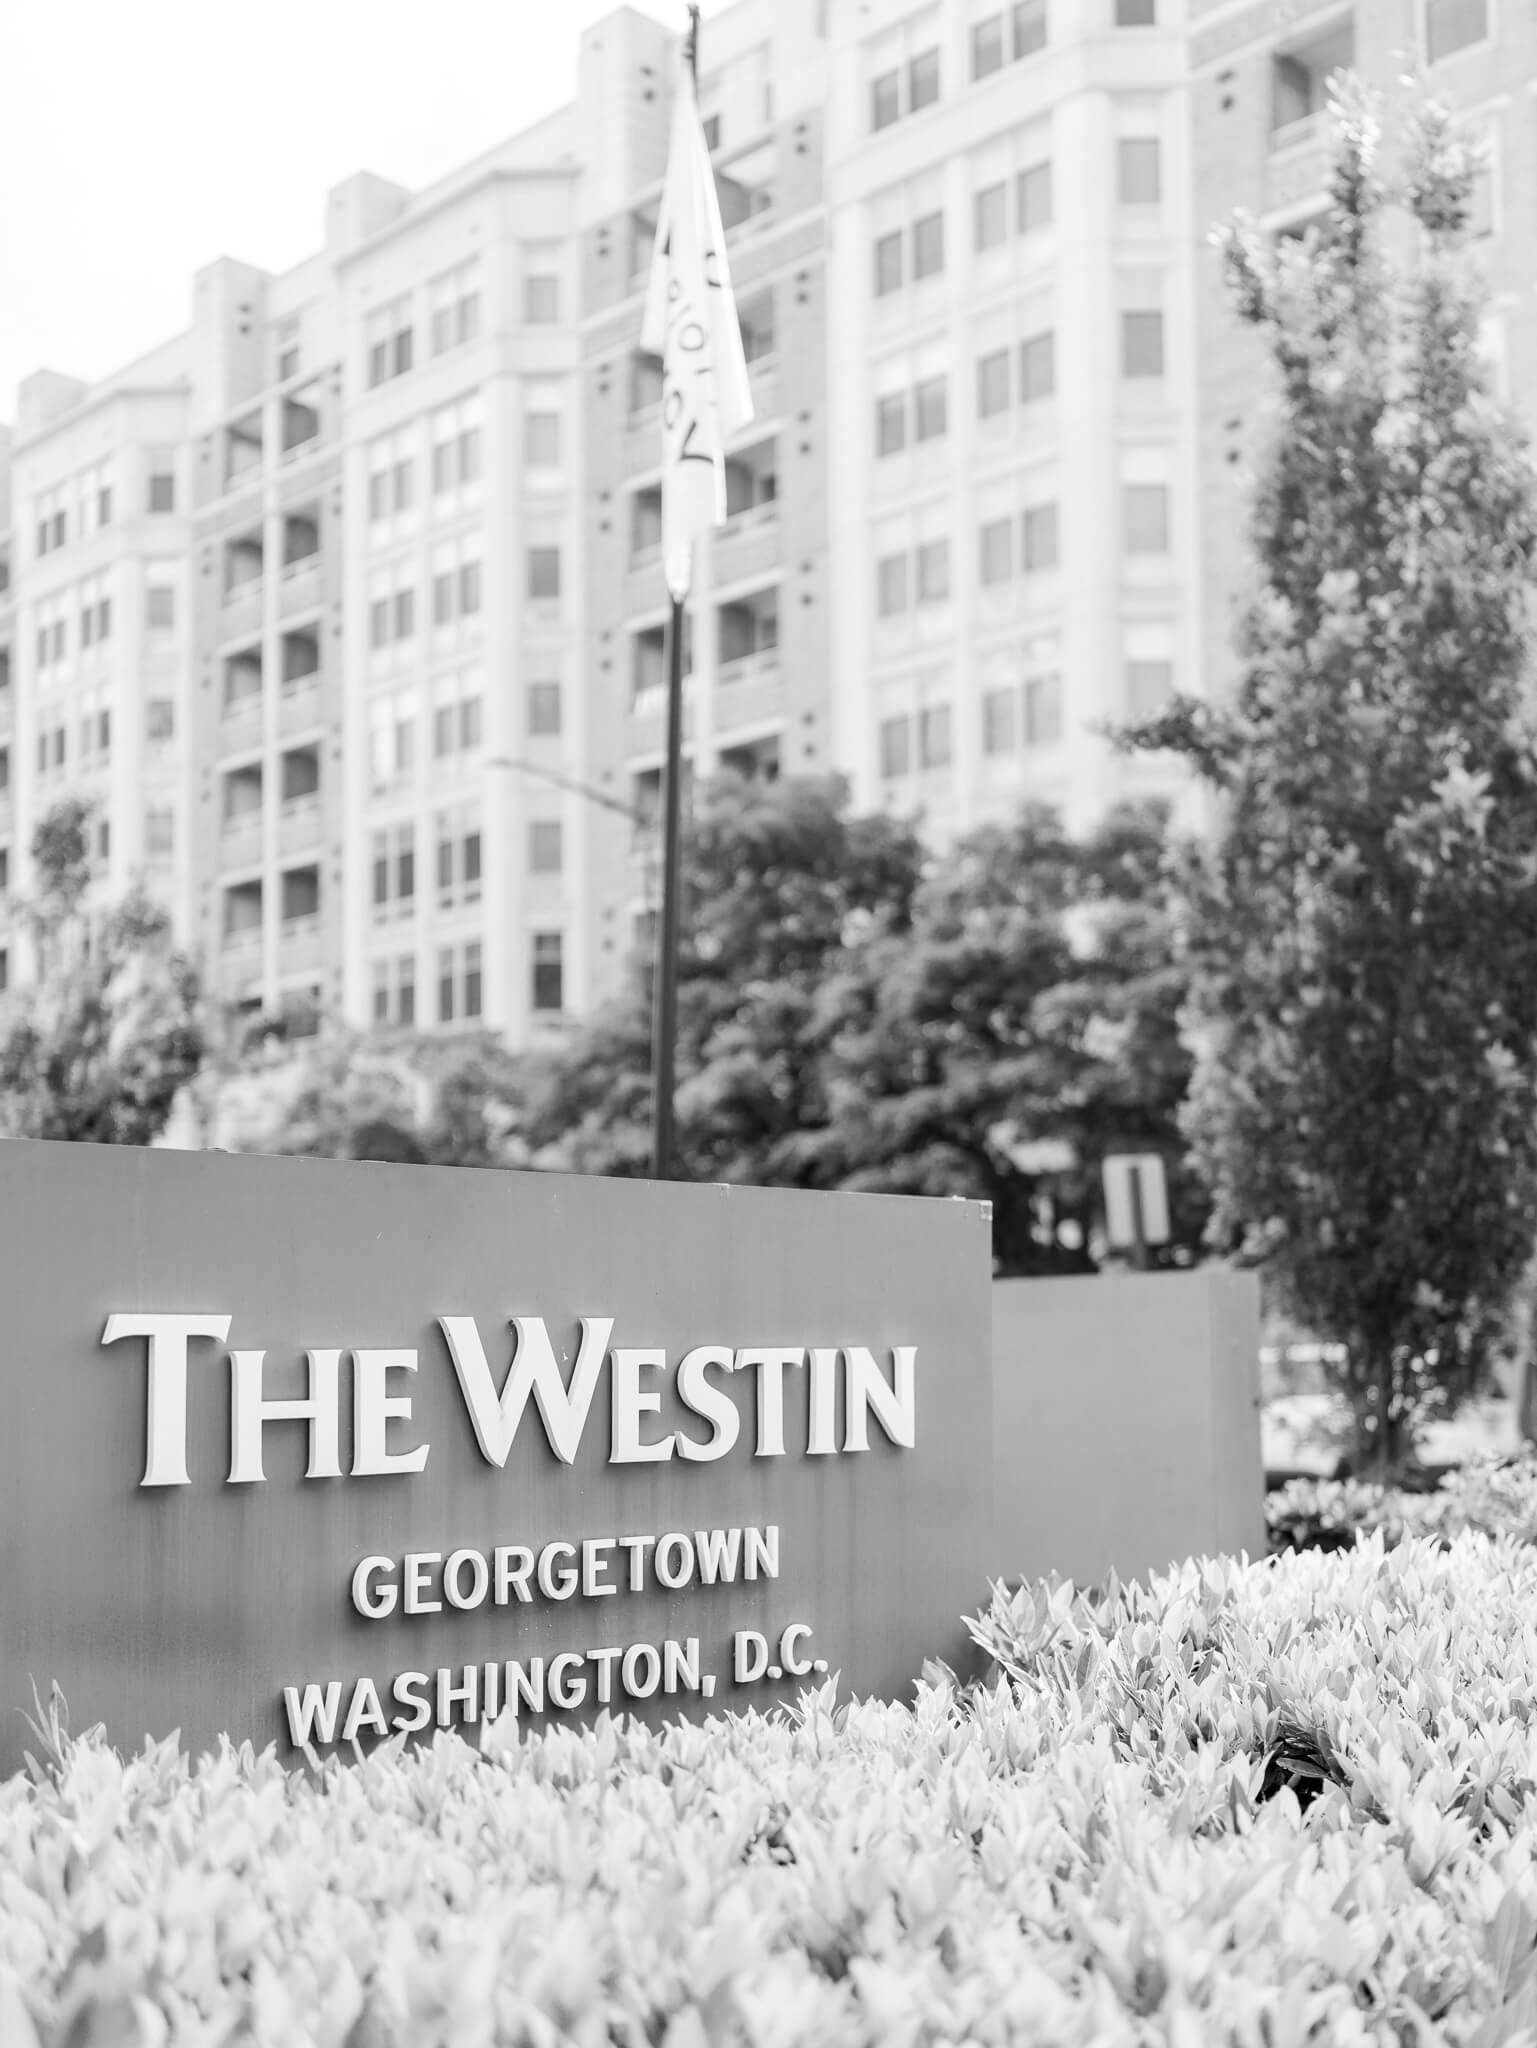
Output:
[[458, 856], [1136, 13], [453, 307], [95, 611], [896, 748], [1299, 79], [456, 581], [95, 498], [5, 771], [934, 736], [395, 990], [1142, 344], [456, 715], [548, 971], [1146, 515], [1018, 31], [885, 99], [756, 320], [1037, 367], [159, 830], [1033, 197], [162, 485], [1137, 171], [934, 572], [891, 586], [541, 284], [990, 216], [543, 710], [930, 410], [888, 263], [388, 340], [541, 439], [391, 476], [456, 450], [1451, 25], [543, 574], [1038, 539], [891, 423], [394, 877], [992, 383], [459, 982], [51, 521], [923, 80], [996, 550], [160, 605], [545, 849], [928, 246], [1149, 684], [1000, 712], [160, 718], [392, 738], [1043, 710], [391, 607]]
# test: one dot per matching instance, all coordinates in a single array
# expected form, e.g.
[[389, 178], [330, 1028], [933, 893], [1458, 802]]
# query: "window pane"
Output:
[[1037, 367], [1147, 519], [1136, 13], [896, 747], [990, 216], [1040, 539], [993, 384], [923, 80], [543, 708], [885, 99], [1148, 687], [999, 717], [929, 245], [890, 424], [1137, 170], [1453, 24], [1142, 344], [541, 301], [1029, 21], [888, 263], [891, 585], [997, 552], [1034, 198], [930, 409], [1043, 711], [934, 572], [544, 572], [987, 46], [934, 737]]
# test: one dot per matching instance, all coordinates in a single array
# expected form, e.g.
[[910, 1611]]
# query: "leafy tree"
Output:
[[99, 1046], [1364, 1105], [781, 883], [1033, 1003], [845, 1022]]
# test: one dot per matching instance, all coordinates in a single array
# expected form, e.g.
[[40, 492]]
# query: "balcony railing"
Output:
[[299, 704], [240, 840], [240, 723], [242, 946], [299, 590], [299, 943], [764, 661], [299, 823], [241, 611]]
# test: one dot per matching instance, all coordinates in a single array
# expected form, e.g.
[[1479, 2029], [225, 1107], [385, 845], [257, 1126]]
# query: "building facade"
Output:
[[346, 606]]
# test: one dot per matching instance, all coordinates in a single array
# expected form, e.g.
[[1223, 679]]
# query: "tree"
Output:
[[781, 883], [846, 1021], [98, 1047], [1364, 1104], [1031, 1009]]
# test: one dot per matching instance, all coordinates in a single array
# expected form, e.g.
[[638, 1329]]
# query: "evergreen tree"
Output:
[[1364, 924]]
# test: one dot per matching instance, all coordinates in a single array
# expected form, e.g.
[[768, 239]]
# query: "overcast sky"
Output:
[[141, 141]]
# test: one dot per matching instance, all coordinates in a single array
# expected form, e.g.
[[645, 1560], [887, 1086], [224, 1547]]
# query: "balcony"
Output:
[[300, 825], [645, 728], [747, 639], [299, 707], [749, 692], [299, 945], [7, 712], [242, 939], [301, 423], [1300, 72], [243, 452], [747, 545], [299, 591], [240, 841]]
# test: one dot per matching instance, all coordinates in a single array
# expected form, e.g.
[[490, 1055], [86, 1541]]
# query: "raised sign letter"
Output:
[[495, 1419], [165, 1460], [630, 1404], [250, 1410], [371, 1410]]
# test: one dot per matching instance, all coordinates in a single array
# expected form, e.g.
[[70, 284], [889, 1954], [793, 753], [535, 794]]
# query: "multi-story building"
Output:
[[1258, 86], [1013, 525], [347, 604]]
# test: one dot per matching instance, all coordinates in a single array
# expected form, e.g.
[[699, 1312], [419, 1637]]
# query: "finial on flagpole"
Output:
[[691, 47]]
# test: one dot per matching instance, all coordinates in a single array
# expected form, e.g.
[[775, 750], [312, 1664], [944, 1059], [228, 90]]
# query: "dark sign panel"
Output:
[[317, 1452]]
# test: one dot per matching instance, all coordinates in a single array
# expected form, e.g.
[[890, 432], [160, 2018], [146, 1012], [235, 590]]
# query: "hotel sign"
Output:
[[319, 1452]]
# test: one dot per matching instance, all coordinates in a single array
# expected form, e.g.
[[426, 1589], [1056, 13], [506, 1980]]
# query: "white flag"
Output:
[[691, 323]]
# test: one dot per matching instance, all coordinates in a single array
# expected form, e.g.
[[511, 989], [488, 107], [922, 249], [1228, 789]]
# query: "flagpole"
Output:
[[665, 1017]]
